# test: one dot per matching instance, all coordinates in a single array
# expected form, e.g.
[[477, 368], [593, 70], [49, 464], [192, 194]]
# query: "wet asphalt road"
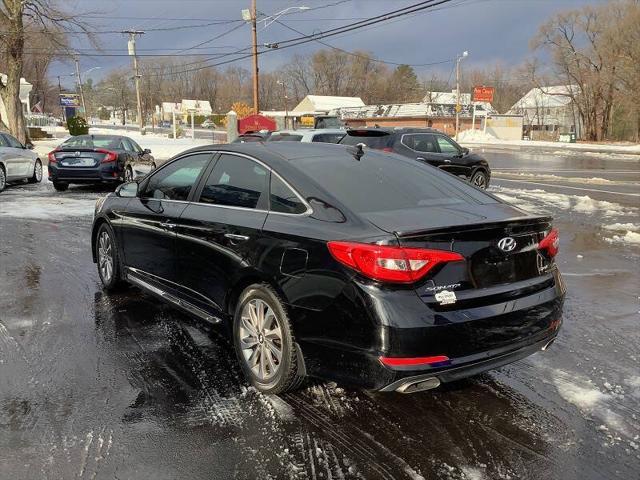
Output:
[[117, 386]]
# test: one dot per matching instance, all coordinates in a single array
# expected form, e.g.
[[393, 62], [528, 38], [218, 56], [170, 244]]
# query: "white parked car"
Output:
[[325, 135], [18, 161]]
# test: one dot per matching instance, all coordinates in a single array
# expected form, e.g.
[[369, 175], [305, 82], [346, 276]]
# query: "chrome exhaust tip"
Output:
[[548, 344], [413, 386]]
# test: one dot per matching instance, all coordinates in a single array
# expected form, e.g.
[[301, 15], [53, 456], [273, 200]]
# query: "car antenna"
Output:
[[358, 151]]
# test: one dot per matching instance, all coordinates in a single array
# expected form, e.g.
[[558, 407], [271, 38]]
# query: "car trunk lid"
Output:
[[499, 244], [82, 157]]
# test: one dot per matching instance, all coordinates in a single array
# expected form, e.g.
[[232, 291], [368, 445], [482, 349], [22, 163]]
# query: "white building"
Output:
[[548, 111], [25, 91], [323, 104]]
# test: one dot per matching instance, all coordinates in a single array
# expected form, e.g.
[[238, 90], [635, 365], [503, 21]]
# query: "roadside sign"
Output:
[[483, 94], [458, 108], [69, 100], [255, 123]]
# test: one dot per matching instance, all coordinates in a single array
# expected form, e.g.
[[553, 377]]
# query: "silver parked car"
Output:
[[18, 161], [324, 135]]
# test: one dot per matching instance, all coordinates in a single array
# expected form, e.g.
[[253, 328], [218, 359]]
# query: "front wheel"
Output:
[[264, 341], [37, 172], [107, 258], [3, 178], [480, 179]]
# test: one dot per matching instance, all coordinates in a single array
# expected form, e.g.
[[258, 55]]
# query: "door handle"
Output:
[[167, 225], [236, 238], [447, 160]]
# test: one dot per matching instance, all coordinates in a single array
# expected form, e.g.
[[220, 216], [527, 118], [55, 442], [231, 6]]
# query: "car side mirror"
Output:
[[127, 190], [29, 146], [465, 151], [146, 150]]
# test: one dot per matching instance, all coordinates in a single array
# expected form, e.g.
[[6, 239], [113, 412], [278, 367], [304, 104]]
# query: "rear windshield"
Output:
[[380, 183], [371, 140], [285, 138], [89, 142]]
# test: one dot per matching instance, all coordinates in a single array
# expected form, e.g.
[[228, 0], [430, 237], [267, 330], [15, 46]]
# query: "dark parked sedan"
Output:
[[94, 159], [426, 145], [327, 261]]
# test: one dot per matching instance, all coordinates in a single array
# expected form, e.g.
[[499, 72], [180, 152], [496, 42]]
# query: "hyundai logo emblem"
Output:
[[507, 244]]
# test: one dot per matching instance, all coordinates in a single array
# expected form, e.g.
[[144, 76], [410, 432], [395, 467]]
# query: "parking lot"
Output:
[[96, 385]]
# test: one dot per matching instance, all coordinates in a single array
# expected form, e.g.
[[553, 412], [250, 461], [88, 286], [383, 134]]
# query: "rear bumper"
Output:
[[475, 338], [108, 173]]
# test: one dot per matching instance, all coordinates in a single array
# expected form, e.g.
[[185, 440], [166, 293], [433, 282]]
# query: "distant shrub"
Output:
[[77, 126], [179, 132]]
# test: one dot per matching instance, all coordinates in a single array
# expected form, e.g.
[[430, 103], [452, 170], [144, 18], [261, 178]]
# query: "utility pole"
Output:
[[132, 52], [284, 99], [79, 82], [254, 39], [458, 106], [64, 116]]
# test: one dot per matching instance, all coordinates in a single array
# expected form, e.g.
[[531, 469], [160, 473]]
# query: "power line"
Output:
[[414, 8]]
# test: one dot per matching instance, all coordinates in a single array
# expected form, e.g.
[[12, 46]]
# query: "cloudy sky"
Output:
[[491, 30]]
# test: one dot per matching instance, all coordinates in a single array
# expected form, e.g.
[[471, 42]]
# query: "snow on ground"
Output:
[[556, 178], [477, 137], [49, 208], [541, 201]]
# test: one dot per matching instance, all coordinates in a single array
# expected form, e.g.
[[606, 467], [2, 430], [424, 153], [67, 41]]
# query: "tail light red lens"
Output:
[[52, 157], [387, 149], [390, 264], [413, 361], [551, 243], [109, 156]]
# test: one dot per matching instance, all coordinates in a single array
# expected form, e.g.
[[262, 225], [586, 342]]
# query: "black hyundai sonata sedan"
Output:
[[363, 267]]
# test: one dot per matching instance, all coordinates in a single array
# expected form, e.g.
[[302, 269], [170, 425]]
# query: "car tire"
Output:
[[480, 179], [258, 337], [3, 178], [60, 187], [37, 172], [108, 258], [128, 174]]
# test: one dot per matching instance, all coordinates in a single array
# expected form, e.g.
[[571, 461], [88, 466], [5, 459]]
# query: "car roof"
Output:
[[392, 130], [100, 136]]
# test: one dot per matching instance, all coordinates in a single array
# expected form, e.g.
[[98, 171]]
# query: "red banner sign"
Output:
[[483, 94], [255, 123]]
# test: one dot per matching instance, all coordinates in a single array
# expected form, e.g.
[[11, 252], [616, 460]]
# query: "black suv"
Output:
[[426, 145]]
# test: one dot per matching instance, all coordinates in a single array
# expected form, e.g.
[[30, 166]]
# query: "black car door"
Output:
[[451, 154], [422, 147], [219, 233], [146, 227]]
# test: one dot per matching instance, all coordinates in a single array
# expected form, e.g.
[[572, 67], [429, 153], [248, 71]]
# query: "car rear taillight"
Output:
[[109, 156], [390, 264], [52, 157], [551, 243], [413, 361]]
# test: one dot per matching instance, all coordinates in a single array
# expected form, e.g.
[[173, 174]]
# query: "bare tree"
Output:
[[17, 17]]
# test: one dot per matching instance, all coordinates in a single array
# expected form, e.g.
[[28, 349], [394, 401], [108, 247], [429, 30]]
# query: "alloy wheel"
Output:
[[261, 339], [3, 179], [480, 181], [105, 257], [38, 171]]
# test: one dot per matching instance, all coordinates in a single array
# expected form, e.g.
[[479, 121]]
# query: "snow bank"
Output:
[[629, 237], [555, 178], [475, 136], [623, 227], [48, 208]]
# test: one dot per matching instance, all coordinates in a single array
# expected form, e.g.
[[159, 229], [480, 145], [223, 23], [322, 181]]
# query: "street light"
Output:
[[251, 16], [465, 54]]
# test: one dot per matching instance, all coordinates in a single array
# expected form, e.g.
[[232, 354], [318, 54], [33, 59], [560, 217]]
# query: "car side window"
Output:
[[175, 181], [126, 145], [13, 142], [283, 199], [134, 146], [423, 142], [237, 182], [446, 146], [3, 142]]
